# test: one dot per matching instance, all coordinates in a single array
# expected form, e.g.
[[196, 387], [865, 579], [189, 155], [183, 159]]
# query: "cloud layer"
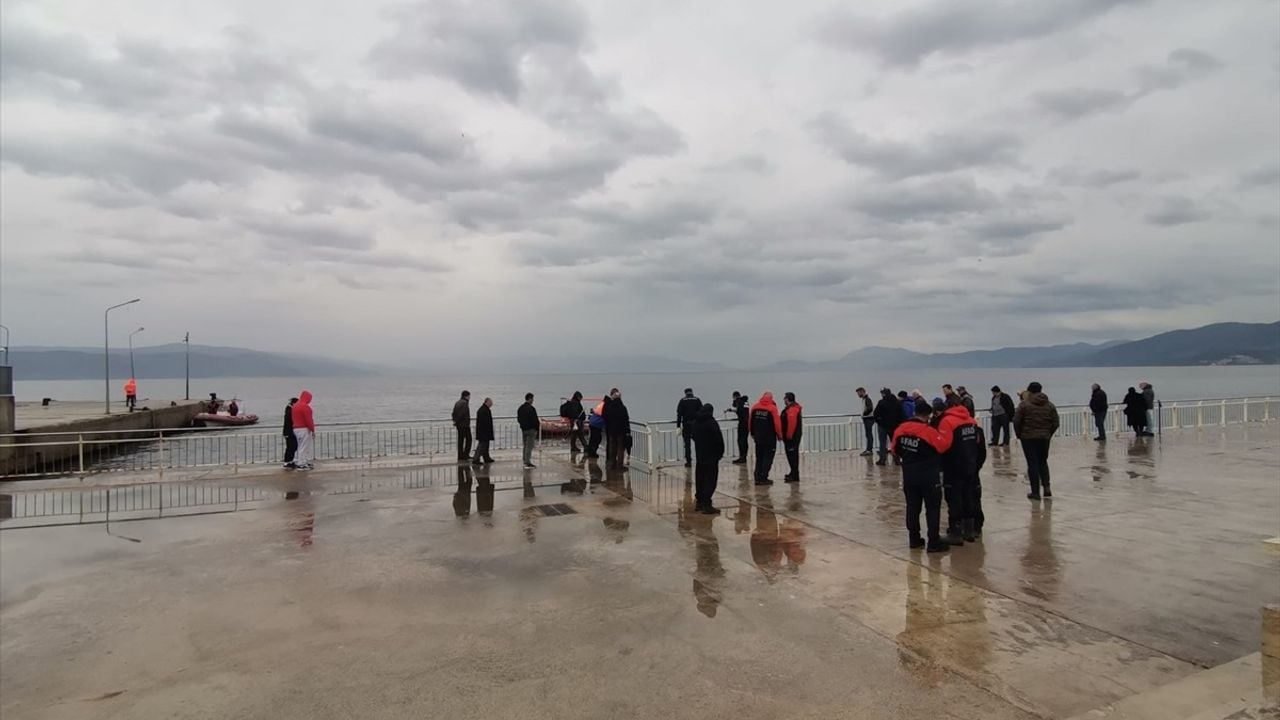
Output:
[[741, 184]]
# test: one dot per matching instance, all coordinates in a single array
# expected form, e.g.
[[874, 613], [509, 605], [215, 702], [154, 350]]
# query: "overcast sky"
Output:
[[730, 181]]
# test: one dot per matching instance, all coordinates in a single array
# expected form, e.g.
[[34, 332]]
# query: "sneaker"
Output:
[[764, 482], [865, 453], [740, 461], [880, 462], [289, 466], [953, 540], [1033, 496], [940, 546], [916, 543], [529, 466], [792, 479], [710, 510]]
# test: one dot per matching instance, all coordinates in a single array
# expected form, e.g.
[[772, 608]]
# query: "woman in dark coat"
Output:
[[1135, 411]]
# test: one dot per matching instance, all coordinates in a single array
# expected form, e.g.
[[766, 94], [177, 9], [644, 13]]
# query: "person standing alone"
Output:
[[484, 432], [1035, 421], [766, 428], [868, 420], [290, 441], [304, 430], [792, 429], [462, 424], [1098, 406], [710, 446], [1002, 410], [527, 417], [131, 393], [687, 411]]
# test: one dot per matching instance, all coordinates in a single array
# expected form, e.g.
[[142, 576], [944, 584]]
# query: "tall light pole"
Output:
[[133, 374], [106, 348], [186, 340]]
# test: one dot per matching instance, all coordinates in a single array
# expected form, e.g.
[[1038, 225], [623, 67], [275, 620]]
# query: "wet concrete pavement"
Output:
[[579, 594]]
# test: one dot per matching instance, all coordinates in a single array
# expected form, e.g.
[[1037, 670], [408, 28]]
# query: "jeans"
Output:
[[764, 459], [869, 426], [290, 446], [530, 440], [999, 423], [929, 495], [792, 450], [706, 477], [617, 447], [884, 441], [1100, 421], [464, 442], [743, 434], [1037, 454]]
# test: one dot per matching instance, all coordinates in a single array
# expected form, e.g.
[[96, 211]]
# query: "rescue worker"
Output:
[[959, 466], [131, 393], [919, 447], [766, 428], [792, 429], [686, 412]]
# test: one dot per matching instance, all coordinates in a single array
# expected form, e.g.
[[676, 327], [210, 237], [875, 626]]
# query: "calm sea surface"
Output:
[[654, 396]]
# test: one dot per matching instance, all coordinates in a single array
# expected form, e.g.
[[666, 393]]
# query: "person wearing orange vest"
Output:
[[792, 429], [131, 393], [766, 428]]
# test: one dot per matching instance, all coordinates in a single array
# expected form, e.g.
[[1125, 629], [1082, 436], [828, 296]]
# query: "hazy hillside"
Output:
[[1219, 344]]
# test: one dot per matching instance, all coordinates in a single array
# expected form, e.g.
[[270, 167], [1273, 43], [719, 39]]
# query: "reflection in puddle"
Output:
[[301, 518]]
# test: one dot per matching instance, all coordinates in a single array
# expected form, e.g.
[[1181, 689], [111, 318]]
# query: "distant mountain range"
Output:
[[168, 361], [1219, 344]]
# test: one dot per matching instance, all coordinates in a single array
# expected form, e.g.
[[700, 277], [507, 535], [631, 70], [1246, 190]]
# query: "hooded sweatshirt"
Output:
[[1036, 417], [707, 436], [766, 424], [302, 416], [961, 459]]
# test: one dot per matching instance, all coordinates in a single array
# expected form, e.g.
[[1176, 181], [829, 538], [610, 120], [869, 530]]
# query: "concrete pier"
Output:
[[38, 426], [568, 592]]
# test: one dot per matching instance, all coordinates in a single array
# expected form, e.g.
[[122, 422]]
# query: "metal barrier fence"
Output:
[[127, 502], [654, 444]]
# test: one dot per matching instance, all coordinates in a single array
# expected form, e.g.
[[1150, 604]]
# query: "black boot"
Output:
[[970, 535], [953, 537], [916, 543], [1046, 492], [938, 545]]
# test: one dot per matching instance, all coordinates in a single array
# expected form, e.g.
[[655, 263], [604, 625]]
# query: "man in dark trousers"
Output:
[[290, 441], [617, 427], [868, 421], [888, 416], [1002, 410], [527, 418], [462, 424], [710, 441], [595, 426], [959, 466], [766, 428], [1098, 406], [919, 447], [686, 412], [571, 410], [792, 429], [484, 432], [743, 415], [1035, 421]]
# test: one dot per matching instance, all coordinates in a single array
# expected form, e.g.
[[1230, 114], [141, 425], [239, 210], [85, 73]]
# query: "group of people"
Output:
[[1139, 407], [299, 433]]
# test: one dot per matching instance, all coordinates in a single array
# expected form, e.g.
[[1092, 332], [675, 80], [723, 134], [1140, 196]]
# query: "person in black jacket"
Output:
[[290, 440], [617, 428], [462, 424], [687, 411], [888, 416], [710, 442], [1002, 410], [743, 415], [484, 432], [1098, 406], [572, 411], [1135, 411], [527, 417]]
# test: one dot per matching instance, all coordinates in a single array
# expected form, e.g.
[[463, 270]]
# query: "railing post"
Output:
[[80, 444], [161, 463], [235, 455], [1177, 424], [1223, 418], [1200, 414], [1246, 409], [1266, 409]]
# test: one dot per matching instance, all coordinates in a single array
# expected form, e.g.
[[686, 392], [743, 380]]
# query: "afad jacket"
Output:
[[919, 447], [792, 423], [766, 423]]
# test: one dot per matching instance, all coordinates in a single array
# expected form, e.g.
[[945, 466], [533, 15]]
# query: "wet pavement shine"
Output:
[[569, 592]]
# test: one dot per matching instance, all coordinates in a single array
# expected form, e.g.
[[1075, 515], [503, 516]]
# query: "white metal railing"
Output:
[[655, 444]]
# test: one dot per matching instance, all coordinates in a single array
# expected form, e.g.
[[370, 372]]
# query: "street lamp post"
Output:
[[106, 349], [186, 340], [133, 374]]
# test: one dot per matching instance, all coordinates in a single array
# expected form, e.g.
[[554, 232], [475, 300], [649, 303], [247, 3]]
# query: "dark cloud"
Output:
[[1263, 176], [1075, 103], [347, 120], [1181, 67], [1175, 210], [898, 159], [929, 200], [1097, 178], [303, 235], [955, 26]]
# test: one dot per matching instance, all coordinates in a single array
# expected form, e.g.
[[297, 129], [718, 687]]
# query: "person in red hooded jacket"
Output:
[[304, 429], [766, 428], [960, 468], [919, 447], [792, 429]]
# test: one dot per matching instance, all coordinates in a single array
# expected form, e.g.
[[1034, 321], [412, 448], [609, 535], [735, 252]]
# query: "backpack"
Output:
[[596, 421], [565, 410]]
